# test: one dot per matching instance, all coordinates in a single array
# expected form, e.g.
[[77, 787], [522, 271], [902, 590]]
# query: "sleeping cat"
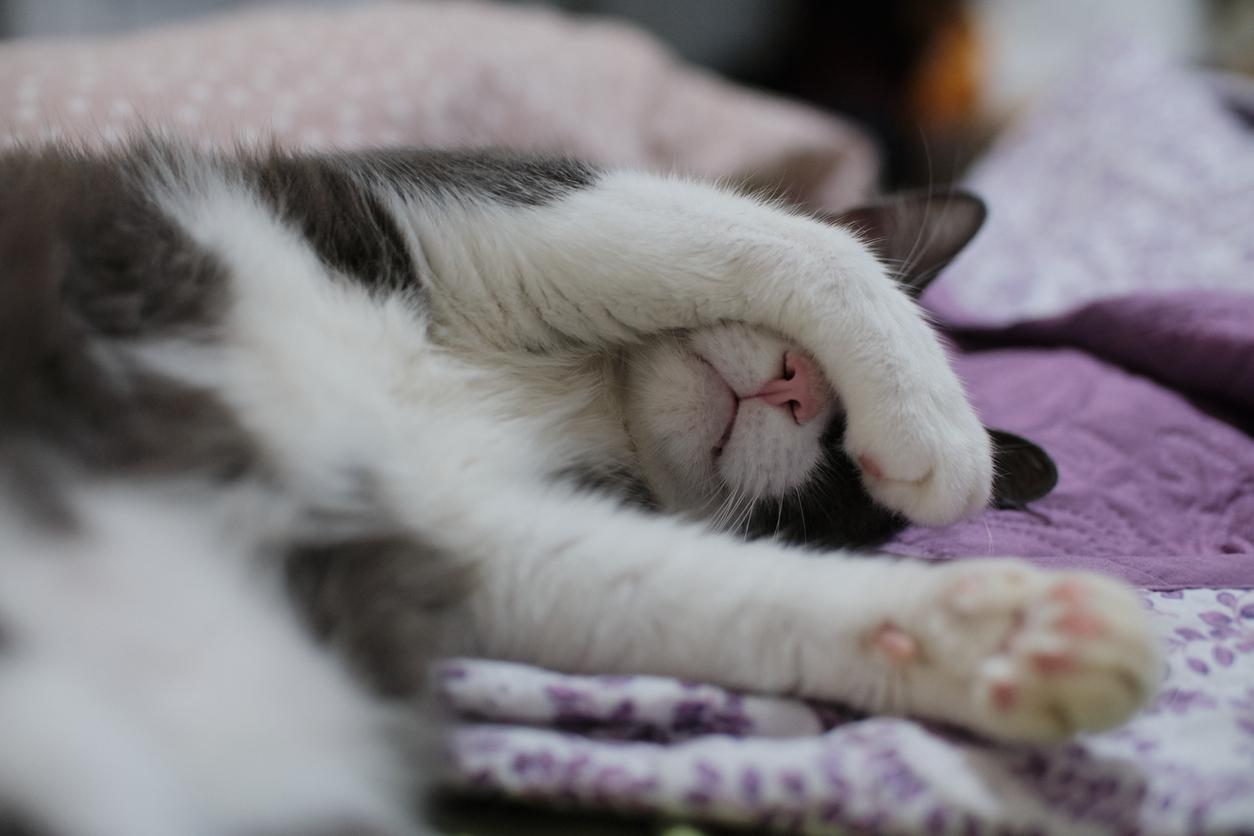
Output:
[[276, 428]]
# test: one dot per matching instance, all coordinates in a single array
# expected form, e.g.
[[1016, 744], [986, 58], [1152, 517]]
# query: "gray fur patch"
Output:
[[121, 267], [88, 268], [378, 600], [341, 217], [510, 178], [334, 200], [620, 483]]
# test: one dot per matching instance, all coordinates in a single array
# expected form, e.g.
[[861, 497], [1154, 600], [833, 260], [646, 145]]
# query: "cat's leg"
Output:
[[997, 646], [153, 682], [634, 254]]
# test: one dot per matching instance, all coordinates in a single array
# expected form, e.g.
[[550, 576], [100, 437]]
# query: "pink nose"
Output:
[[800, 390]]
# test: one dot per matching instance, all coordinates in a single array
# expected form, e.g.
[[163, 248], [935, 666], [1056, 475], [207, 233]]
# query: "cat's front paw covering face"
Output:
[[927, 457]]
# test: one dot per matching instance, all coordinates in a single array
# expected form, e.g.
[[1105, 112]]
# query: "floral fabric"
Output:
[[658, 746]]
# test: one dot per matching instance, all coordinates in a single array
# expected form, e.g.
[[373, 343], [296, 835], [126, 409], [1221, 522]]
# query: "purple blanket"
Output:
[[1107, 312], [1141, 401]]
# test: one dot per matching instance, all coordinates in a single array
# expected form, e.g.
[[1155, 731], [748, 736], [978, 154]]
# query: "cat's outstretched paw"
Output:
[[933, 465], [1030, 655]]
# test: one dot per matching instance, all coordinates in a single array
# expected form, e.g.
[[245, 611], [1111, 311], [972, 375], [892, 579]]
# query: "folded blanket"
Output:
[[652, 745], [1107, 312]]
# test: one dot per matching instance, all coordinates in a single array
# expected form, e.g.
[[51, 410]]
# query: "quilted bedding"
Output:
[[1107, 312]]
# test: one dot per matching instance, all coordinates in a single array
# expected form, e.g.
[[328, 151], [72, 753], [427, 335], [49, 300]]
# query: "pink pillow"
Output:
[[438, 74]]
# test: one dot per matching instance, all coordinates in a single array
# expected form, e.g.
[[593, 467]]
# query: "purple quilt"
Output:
[[1107, 312], [1141, 401]]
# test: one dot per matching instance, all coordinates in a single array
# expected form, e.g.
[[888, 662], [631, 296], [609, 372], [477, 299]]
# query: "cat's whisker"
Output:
[[732, 512], [723, 517], [728, 510], [801, 511], [746, 515], [710, 511], [909, 261]]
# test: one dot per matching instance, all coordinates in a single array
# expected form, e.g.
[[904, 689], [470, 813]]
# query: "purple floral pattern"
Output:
[[658, 746]]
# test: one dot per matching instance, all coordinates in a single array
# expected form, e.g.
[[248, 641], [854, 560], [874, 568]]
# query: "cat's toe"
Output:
[[1075, 653], [933, 471]]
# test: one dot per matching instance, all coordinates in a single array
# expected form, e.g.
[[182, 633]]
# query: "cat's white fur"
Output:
[[329, 376], [162, 686]]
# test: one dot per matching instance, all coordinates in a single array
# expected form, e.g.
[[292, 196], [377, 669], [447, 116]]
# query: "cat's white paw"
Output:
[[928, 458], [1023, 654]]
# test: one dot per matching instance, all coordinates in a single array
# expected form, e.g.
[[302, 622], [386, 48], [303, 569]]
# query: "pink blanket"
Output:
[[430, 74]]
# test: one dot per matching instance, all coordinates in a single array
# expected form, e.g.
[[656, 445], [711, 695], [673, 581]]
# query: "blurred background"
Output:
[[931, 79]]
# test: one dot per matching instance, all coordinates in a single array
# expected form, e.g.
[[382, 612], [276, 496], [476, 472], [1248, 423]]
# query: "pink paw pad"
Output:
[[1071, 592], [870, 467], [1053, 663], [1005, 695], [1077, 620], [1082, 624], [967, 586], [898, 645]]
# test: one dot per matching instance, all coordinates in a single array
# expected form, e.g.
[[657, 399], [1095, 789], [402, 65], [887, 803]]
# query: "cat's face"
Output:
[[735, 425]]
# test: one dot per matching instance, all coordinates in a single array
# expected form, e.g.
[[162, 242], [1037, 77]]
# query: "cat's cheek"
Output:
[[695, 491], [677, 468], [677, 409]]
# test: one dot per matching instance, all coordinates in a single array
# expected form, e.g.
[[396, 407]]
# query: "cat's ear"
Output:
[[1024, 472], [916, 233]]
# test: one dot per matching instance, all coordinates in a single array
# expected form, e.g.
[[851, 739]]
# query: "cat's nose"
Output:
[[800, 390]]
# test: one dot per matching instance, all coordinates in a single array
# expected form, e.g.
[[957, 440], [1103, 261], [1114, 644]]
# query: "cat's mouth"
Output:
[[715, 377], [726, 436]]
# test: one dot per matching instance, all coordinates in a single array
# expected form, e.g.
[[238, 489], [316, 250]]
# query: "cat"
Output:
[[277, 428]]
